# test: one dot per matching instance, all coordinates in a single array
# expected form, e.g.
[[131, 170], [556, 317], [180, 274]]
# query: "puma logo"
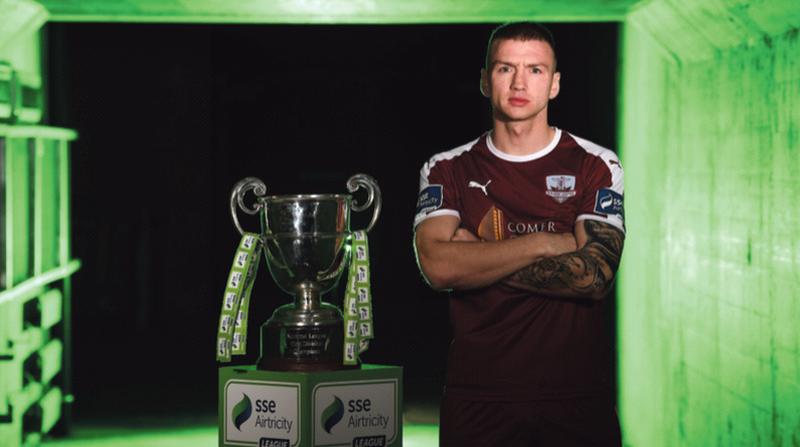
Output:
[[474, 184]]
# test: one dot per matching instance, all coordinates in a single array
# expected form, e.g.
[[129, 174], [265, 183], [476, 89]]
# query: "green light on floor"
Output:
[[414, 435], [105, 437], [420, 436]]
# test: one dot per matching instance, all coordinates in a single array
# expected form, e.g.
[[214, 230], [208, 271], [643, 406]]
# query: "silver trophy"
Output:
[[304, 238]]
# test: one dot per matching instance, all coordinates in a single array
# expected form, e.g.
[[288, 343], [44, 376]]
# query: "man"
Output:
[[525, 226]]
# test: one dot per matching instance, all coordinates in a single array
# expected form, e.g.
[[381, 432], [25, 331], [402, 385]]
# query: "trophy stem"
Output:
[[306, 335], [307, 296]]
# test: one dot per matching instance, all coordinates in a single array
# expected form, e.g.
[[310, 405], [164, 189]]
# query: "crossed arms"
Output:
[[582, 265]]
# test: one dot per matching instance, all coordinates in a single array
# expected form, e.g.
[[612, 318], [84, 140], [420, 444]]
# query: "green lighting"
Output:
[[708, 308], [19, 256], [420, 436], [35, 289], [336, 11], [19, 18], [109, 437], [48, 199], [51, 408], [36, 200], [413, 436]]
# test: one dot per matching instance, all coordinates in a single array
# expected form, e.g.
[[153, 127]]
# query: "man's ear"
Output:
[[485, 83], [555, 86]]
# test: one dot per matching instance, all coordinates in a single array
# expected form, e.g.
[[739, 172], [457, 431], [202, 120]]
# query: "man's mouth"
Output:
[[518, 101]]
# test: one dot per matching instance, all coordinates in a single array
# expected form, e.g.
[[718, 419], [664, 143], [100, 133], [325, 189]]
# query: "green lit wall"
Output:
[[709, 324], [20, 21]]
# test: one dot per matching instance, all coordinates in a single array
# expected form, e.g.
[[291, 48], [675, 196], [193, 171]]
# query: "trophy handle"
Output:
[[237, 198], [374, 195]]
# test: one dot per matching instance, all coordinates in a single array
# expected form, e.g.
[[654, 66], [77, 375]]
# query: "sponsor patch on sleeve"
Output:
[[429, 199], [609, 202]]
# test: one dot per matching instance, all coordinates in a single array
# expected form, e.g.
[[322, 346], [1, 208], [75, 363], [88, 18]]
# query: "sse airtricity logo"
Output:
[[609, 202], [242, 412], [332, 414]]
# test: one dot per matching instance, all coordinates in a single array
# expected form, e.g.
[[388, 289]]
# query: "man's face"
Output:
[[521, 79]]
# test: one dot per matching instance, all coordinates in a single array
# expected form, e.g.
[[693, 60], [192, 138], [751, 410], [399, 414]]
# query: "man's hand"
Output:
[[564, 270], [588, 272], [449, 258], [553, 244], [560, 243]]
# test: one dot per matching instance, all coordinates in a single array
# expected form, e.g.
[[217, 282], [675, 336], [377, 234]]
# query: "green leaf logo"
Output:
[[333, 414], [241, 412]]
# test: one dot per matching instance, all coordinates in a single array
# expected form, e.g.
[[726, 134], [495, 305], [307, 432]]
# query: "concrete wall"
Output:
[[20, 21], [709, 291]]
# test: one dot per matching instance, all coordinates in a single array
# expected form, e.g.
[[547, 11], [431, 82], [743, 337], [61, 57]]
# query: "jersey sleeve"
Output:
[[602, 197], [438, 195]]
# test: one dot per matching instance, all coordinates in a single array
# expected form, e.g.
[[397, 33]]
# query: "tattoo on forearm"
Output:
[[589, 270]]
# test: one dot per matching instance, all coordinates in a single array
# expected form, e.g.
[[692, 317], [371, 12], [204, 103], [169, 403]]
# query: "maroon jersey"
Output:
[[510, 344]]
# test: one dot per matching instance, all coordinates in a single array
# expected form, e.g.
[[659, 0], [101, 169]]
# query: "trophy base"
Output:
[[306, 341], [302, 407]]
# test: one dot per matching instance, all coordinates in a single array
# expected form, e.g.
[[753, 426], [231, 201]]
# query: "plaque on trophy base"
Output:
[[315, 347]]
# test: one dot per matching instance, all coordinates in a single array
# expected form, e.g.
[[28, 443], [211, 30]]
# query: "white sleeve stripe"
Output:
[[446, 155], [607, 155], [443, 212], [615, 221]]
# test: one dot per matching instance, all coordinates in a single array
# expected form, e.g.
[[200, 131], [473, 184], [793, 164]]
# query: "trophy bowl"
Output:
[[304, 239], [306, 244]]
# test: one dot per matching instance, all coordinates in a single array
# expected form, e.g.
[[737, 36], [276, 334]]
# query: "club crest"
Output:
[[560, 187]]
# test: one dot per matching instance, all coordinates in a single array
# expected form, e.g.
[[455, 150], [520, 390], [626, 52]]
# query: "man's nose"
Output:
[[517, 81]]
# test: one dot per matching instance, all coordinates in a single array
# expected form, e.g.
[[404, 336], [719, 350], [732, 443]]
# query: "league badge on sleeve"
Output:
[[429, 199], [609, 202]]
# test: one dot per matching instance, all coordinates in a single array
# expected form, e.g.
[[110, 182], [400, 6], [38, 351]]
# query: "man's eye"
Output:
[[504, 69], [536, 70]]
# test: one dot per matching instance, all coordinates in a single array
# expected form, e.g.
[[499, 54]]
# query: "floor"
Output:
[[420, 429], [414, 435]]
